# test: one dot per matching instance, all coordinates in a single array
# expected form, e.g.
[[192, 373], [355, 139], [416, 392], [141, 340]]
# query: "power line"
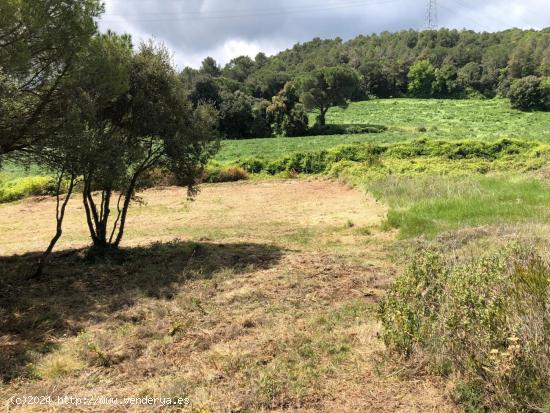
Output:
[[215, 15]]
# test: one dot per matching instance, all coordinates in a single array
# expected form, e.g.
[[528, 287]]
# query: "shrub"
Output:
[[28, 186], [527, 94], [252, 165], [157, 177], [485, 321], [333, 129], [467, 149], [214, 174]]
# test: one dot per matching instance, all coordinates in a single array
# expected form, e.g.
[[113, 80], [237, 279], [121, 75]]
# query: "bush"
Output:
[[345, 129], [467, 149], [252, 165], [486, 321], [528, 94], [28, 186], [214, 174]]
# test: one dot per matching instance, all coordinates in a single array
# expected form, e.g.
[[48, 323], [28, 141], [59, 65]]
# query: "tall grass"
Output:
[[429, 205]]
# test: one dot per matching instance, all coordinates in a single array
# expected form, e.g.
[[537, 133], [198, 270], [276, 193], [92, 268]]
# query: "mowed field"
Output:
[[257, 296]]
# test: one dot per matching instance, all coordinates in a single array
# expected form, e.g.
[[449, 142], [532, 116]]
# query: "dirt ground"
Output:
[[257, 296]]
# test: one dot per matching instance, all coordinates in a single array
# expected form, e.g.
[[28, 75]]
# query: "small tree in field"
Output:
[[101, 76], [128, 115], [528, 93], [327, 87], [152, 126]]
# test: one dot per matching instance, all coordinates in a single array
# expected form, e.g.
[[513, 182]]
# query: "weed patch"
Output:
[[485, 320]]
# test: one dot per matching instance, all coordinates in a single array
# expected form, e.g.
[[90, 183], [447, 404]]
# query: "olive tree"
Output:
[[327, 87], [127, 115], [101, 76], [150, 126]]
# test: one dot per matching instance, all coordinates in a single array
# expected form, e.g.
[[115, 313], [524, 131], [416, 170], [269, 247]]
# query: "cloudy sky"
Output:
[[223, 29]]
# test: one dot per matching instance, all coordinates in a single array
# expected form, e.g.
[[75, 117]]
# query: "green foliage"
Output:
[[205, 90], [210, 67], [374, 80], [470, 76], [127, 117], [421, 78], [460, 149], [287, 114], [416, 156], [486, 320], [242, 116], [528, 93], [27, 186], [266, 84], [446, 83], [327, 87], [352, 129], [40, 42]]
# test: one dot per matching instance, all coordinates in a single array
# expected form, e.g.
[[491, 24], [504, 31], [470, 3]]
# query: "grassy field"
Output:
[[200, 302], [431, 205], [263, 295], [406, 119]]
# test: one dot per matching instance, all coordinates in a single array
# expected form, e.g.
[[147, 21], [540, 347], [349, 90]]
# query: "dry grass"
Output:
[[255, 297]]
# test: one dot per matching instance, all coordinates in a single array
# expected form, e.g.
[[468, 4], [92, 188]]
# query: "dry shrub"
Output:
[[486, 321], [216, 174]]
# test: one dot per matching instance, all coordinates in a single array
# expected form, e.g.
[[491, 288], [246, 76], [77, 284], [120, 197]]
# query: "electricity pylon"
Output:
[[431, 15]]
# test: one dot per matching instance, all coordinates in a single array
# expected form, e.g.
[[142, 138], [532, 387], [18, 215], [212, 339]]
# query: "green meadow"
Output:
[[406, 119]]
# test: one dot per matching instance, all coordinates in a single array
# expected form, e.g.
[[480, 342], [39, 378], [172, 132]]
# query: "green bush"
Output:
[[485, 321], [353, 129], [467, 149], [252, 165], [439, 157], [528, 94], [28, 186]]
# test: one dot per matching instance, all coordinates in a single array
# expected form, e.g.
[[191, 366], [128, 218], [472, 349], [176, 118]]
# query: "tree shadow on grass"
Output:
[[79, 288]]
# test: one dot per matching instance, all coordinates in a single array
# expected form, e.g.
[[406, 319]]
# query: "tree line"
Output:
[[429, 64]]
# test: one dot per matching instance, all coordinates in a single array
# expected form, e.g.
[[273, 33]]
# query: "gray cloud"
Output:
[[224, 29]]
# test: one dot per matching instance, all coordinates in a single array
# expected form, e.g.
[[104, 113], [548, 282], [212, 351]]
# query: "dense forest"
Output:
[[441, 64]]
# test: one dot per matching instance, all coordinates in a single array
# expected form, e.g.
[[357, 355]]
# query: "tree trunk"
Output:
[[321, 117], [59, 216], [86, 195], [126, 205]]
